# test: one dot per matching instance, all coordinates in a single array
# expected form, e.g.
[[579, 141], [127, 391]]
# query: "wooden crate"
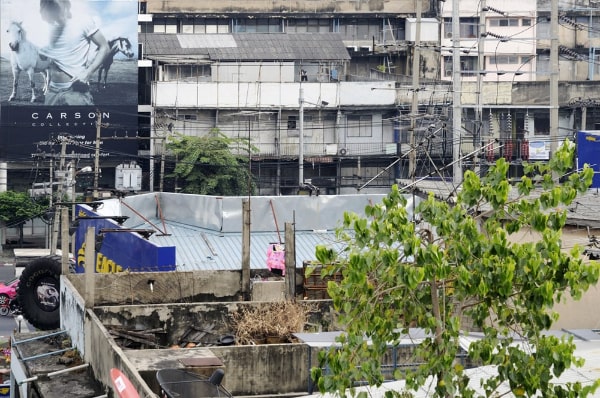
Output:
[[315, 285]]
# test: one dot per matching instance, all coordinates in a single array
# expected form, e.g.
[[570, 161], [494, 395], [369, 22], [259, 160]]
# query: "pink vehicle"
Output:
[[8, 292]]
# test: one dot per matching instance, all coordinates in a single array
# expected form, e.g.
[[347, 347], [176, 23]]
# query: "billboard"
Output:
[[588, 151], [118, 249], [64, 66]]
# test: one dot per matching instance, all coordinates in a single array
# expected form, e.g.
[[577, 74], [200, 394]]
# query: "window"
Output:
[[504, 60], [171, 27], [313, 25], [186, 72], [594, 29], [359, 125], [165, 25], [542, 124], [260, 25], [447, 66], [504, 22], [543, 28], [469, 28], [291, 122], [363, 29], [468, 66], [526, 22], [159, 26], [542, 65]]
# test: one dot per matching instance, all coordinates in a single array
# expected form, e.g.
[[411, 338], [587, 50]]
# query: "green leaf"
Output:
[[460, 266]]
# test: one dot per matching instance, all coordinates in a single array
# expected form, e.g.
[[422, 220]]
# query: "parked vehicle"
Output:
[[8, 296]]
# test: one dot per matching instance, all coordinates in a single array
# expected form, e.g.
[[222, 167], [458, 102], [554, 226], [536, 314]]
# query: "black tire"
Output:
[[39, 292]]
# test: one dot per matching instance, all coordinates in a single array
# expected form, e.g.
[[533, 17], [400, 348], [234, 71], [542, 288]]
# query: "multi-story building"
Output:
[[506, 69], [270, 70]]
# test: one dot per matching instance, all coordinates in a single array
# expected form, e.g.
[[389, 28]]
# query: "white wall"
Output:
[[272, 95], [253, 72]]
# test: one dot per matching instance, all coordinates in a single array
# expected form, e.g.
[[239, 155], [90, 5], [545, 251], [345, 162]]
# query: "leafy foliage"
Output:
[[18, 207], [207, 165], [457, 269]]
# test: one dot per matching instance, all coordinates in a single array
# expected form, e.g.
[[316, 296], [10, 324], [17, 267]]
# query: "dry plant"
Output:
[[279, 319]]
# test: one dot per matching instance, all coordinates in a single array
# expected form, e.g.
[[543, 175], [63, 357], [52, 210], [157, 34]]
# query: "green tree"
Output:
[[456, 264], [213, 164], [16, 208]]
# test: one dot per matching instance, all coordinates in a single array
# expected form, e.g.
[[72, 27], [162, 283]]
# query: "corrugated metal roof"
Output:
[[207, 230], [247, 46], [203, 249]]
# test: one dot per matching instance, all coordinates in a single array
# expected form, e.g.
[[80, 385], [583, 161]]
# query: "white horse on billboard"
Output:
[[25, 57]]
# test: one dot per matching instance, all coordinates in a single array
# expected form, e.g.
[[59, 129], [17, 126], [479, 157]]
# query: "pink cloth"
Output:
[[276, 257]]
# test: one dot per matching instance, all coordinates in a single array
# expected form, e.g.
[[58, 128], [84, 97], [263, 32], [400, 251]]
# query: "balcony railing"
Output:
[[510, 149]]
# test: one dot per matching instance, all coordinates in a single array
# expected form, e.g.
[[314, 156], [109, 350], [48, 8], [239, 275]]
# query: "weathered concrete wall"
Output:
[[538, 93], [249, 369], [573, 314], [72, 311], [167, 287], [176, 319], [103, 355], [266, 368], [287, 6]]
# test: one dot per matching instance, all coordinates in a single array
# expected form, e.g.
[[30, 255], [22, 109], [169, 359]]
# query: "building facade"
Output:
[[369, 88]]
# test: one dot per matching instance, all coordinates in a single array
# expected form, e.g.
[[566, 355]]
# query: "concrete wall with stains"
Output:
[[270, 6]]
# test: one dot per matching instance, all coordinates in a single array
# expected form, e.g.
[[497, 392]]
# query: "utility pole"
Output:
[[412, 156], [163, 154], [480, 72], [162, 164], [301, 138], [97, 154], [554, 77], [456, 92], [152, 149], [246, 221], [59, 194]]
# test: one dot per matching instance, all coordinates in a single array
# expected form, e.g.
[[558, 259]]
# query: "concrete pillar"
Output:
[[3, 177]]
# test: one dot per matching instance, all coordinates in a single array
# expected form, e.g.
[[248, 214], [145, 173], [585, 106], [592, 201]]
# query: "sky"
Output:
[[115, 18]]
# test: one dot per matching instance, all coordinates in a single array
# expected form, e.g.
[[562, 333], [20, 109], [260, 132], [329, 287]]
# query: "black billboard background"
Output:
[[31, 132]]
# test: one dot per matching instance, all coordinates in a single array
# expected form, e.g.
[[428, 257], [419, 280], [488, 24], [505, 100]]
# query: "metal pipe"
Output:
[[68, 370]]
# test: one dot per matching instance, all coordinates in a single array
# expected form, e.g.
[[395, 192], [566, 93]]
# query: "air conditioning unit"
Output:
[[448, 35], [343, 151]]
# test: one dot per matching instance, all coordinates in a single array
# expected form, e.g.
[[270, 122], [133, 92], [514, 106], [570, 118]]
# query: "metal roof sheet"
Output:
[[207, 230], [247, 46], [203, 249]]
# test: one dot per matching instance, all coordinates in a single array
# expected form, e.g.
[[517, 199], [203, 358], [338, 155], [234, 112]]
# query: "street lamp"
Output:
[[73, 173]]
